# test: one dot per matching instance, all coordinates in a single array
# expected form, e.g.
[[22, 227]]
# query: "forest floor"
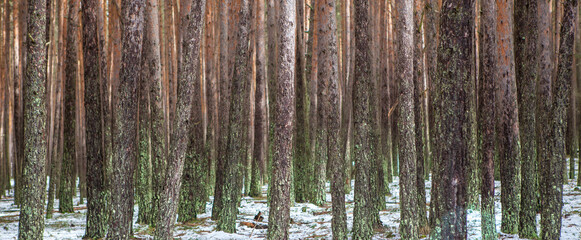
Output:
[[307, 220]]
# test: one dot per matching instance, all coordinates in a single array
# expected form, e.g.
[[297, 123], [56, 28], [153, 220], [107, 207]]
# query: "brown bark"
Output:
[[453, 87], [279, 213], [31, 223], [189, 72], [125, 121]]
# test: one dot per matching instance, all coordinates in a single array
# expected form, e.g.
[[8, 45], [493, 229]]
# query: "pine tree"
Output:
[[487, 117], [191, 21], [279, 211], [509, 140], [125, 125], [362, 218], [526, 41], [95, 69], [31, 222], [449, 183]]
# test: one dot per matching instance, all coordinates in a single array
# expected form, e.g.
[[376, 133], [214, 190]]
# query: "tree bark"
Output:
[[189, 72], [407, 132], [552, 182], [31, 223], [279, 211], [125, 121], [453, 88], [509, 137], [261, 117], [526, 41], [237, 129], [67, 182], [95, 74], [223, 106], [419, 108], [487, 116], [362, 218]]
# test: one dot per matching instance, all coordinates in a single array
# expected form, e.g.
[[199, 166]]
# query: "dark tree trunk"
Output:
[[192, 199], [191, 14], [95, 70], [279, 212], [321, 130], [453, 88], [125, 121], [143, 176], [384, 98], [329, 103], [153, 78], [261, 117], [31, 223], [552, 184], [237, 129], [509, 151], [67, 182], [526, 57], [487, 116], [223, 107], [407, 132], [362, 214], [419, 109], [302, 143]]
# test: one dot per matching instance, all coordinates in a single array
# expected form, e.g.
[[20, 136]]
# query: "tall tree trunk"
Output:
[[526, 40], [419, 108], [279, 212], [261, 117], [453, 88], [329, 103], [191, 14], [192, 201], [237, 129], [31, 223], [362, 214], [153, 78], [408, 134], [67, 182], [552, 184], [144, 172], [223, 107], [486, 116], [301, 143], [315, 193], [509, 133], [125, 121], [95, 74]]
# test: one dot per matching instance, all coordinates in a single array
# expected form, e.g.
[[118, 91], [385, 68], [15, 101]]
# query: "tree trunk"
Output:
[[261, 117], [191, 14], [526, 32], [509, 139], [67, 182], [95, 64], [362, 218], [486, 116], [125, 121], [192, 201], [237, 129], [143, 176], [552, 184], [279, 211], [453, 88], [31, 223], [419, 109], [153, 78], [409, 142], [223, 107], [302, 143]]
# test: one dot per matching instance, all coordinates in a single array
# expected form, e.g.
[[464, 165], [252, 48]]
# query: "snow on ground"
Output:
[[307, 220]]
